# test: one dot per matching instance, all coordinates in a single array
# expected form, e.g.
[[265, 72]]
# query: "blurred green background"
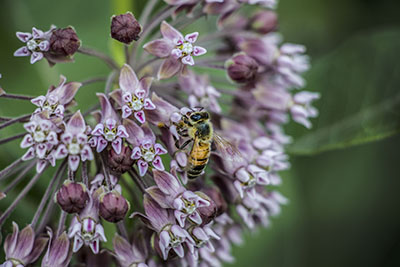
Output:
[[344, 183]]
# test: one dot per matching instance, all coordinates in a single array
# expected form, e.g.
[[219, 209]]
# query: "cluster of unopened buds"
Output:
[[195, 163]]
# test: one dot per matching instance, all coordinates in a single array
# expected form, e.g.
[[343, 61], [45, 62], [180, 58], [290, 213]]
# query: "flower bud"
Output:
[[217, 204], [113, 206], [125, 28], [72, 197], [264, 22], [64, 42], [241, 68], [122, 162]]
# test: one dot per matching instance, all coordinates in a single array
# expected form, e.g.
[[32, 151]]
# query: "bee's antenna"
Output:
[[199, 108]]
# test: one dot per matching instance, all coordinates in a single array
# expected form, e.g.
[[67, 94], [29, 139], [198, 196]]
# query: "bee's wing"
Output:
[[227, 150]]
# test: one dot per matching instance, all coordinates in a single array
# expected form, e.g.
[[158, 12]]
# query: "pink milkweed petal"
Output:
[[180, 217], [61, 152], [41, 150], [101, 144], [30, 154], [170, 33], [117, 145], [195, 217], [22, 52], [36, 56], [191, 37], [179, 250], [176, 53], [198, 51], [36, 33], [136, 153], [81, 138], [126, 112], [127, 97], [40, 165], [86, 153], [38, 101], [24, 36], [117, 96], [145, 84], [73, 162], [44, 46], [122, 132], [157, 163], [140, 116], [76, 124], [98, 130], [78, 243], [160, 48], [148, 104], [66, 138], [128, 80], [107, 110], [169, 68], [93, 141], [67, 91], [143, 166], [159, 149], [27, 141], [188, 60], [139, 93]]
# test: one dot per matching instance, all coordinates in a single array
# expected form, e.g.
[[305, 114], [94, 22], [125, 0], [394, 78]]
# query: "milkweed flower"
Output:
[[37, 43], [133, 94], [109, 130], [74, 142], [178, 50], [23, 247]]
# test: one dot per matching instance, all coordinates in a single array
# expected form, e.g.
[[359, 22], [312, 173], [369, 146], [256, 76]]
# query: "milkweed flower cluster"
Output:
[[158, 120]]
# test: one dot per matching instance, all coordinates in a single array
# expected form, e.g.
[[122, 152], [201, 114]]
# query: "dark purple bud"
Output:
[[122, 162], [113, 206], [264, 22], [72, 197], [125, 28], [64, 42], [241, 68], [217, 204]]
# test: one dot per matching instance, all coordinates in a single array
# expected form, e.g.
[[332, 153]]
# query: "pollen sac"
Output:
[[242, 68], [64, 42], [113, 206], [125, 28], [72, 197], [122, 162]]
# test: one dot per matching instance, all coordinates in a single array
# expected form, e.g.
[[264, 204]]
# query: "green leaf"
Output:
[[359, 84]]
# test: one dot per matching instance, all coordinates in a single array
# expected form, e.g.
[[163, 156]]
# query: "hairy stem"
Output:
[[122, 229], [61, 222], [85, 178], [13, 205], [135, 177], [165, 13], [147, 11], [105, 58], [20, 97], [46, 195], [20, 176], [9, 168], [11, 138], [105, 172], [17, 119], [93, 80]]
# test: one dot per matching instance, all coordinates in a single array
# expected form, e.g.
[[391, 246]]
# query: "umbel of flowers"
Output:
[[154, 122]]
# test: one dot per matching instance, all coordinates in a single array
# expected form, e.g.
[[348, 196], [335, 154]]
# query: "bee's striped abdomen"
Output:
[[198, 159]]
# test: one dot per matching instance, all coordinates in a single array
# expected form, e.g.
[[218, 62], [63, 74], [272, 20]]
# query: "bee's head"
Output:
[[198, 116]]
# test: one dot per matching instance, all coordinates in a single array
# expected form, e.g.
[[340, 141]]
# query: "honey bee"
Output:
[[197, 126]]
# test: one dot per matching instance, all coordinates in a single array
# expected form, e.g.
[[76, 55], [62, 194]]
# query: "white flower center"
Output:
[[137, 105], [148, 156], [189, 207], [39, 136], [31, 44], [74, 148], [175, 241], [187, 48]]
